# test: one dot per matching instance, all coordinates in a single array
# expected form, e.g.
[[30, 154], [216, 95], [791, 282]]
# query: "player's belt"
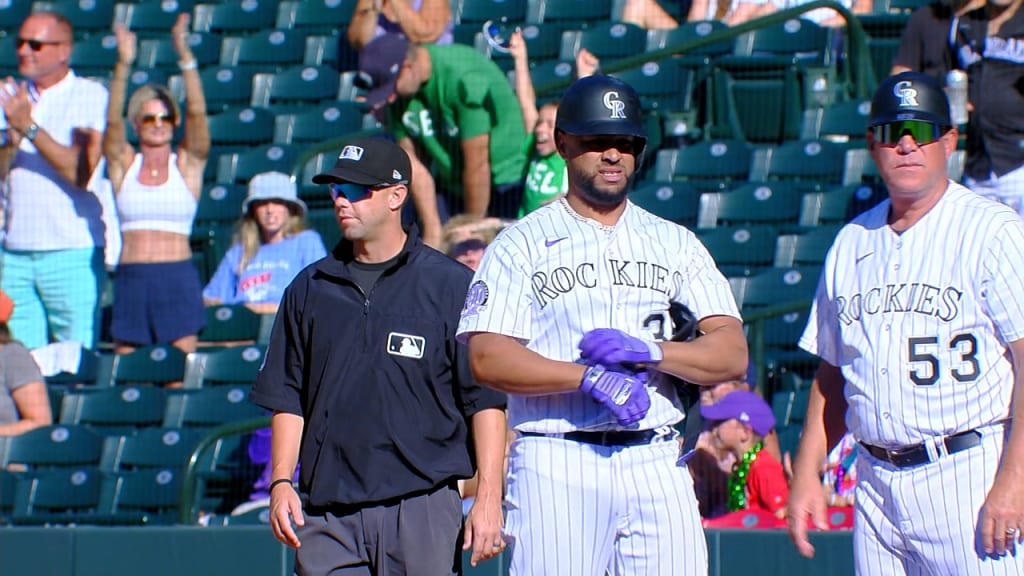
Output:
[[918, 453], [604, 437]]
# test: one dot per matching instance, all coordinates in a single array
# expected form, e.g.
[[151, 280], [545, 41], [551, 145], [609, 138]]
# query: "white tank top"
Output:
[[169, 207]]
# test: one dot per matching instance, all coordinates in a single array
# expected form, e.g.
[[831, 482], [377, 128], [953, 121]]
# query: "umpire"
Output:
[[371, 391]]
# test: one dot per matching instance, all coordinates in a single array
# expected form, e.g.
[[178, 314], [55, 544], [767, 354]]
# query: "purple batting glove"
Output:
[[623, 394], [609, 346]]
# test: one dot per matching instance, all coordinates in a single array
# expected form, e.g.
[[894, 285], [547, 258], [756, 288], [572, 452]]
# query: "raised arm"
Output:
[[364, 23], [195, 149], [115, 142], [523, 82]]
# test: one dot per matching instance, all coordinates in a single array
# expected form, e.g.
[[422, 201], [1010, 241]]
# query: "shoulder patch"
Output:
[[476, 298]]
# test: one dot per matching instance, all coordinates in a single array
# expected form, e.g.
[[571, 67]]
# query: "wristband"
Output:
[[278, 481], [190, 65]]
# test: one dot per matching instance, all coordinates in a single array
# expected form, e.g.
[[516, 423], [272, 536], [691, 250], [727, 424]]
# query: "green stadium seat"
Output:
[[56, 497], [576, 13], [740, 250], [751, 203], [220, 203], [224, 87], [158, 364], [807, 248], [673, 201], [549, 72], [789, 407], [150, 448], [606, 40], [710, 165], [832, 206], [294, 89], [93, 368], [12, 14], [795, 41], [814, 165], [242, 166], [321, 51], [691, 32], [776, 286], [113, 411], [264, 51], [321, 122], [325, 222], [235, 17], [88, 18], [844, 123], [142, 76], [316, 16], [8, 56], [662, 85], [241, 126], [230, 323], [211, 241], [141, 497], [55, 446], [209, 407], [160, 52], [150, 19], [94, 56], [232, 366], [8, 481], [479, 11]]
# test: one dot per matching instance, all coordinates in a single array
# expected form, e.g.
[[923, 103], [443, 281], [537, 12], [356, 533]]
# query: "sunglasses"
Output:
[[351, 192], [922, 132], [35, 45], [152, 119]]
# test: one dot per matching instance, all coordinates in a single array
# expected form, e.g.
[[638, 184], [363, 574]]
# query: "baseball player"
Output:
[[569, 313], [919, 326]]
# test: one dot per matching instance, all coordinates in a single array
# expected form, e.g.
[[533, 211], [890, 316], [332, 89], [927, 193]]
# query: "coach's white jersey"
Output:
[[919, 322], [555, 275]]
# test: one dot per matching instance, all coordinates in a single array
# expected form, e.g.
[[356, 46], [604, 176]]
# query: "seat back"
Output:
[[316, 16], [242, 166], [292, 89], [209, 407], [807, 248], [740, 250], [752, 203], [56, 446], [147, 496], [157, 364], [318, 123], [233, 366], [56, 496], [673, 201], [235, 17], [776, 286], [266, 50], [606, 40], [120, 410], [814, 165], [157, 447], [710, 165]]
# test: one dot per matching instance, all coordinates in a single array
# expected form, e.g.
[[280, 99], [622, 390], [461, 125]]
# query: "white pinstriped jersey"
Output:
[[919, 322], [555, 275]]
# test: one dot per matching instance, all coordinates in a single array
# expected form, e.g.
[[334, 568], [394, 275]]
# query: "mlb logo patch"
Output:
[[351, 153], [407, 345]]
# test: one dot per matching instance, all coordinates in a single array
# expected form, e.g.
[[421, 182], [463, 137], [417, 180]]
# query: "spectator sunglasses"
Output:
[[35, 45], [352, 192], [922, 132]]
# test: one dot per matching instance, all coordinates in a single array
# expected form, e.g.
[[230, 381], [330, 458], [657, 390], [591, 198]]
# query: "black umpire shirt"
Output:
[[382, 384]]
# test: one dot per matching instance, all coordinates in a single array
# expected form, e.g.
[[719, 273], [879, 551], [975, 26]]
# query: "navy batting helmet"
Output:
[[600, 105], [910, 96]]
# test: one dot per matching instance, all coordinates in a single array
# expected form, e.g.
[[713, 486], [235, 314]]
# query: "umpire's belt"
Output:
[[918, 453], [604, 437]]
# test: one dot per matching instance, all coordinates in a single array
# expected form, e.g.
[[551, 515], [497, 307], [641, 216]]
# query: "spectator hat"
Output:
[[6, 307], [380, 61], [910, 96], [369, 161], [273, 186], [747, 407]]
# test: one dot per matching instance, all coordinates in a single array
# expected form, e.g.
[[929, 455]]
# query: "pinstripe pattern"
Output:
[[919, 323]]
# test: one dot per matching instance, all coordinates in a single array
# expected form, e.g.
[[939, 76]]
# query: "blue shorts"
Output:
[[156, 303]]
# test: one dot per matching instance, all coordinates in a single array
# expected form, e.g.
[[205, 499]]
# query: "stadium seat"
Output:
[[230, 323], [150, 19], [293, 89], [232, 366], [691, 32], [775, 286], [114, 411], [142, 76], [88, 18], [264, 51], [325, 222], [806, 248], [56, 497], [543, 41], [771, 203], [8, 481], [327, 17], [576, 13], [241, 166], [833, 206], [94, 56], [241, 126], [662, 85], [754, 100], [321, 50], [56, 446], [498, 11], [157, 364], [8, 56], [740, 250], [150, 448], [546, 74], [209, 407], [844, 123], [710, 165], [796, 41], [12, 14], [141, 497], [789, 407], [606, 40], [782, 356], [235, 17], [322, 122], [673, 201], [160, 52], [93, 368], [220, 203], [813, 165]]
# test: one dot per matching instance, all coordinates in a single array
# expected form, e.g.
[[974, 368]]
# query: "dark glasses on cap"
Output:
[[152, 119], [922, 132], [351, 192], [35, 45]]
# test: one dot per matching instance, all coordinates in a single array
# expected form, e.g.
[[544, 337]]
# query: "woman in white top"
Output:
[[157, 290]]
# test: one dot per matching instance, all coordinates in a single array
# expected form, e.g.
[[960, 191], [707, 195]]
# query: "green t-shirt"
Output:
[[467, 95], [545, 178]]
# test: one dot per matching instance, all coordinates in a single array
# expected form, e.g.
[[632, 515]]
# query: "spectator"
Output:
[[457, 106], [271, 247], [827, 16], [24, 401], [469, 252], [466, 226], [988, 41], [648, 14], [840, 475], [924, 44], [739, 422], [730, 12], [421, 21], [53, 247], [157, 292]]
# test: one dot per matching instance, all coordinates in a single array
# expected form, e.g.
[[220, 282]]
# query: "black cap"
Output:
[[371, 162], [910, 96]]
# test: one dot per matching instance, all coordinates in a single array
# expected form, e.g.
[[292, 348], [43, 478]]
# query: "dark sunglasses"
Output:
[[627, 144], [152, 119], [351, 192], [922, 132], [35, 45]]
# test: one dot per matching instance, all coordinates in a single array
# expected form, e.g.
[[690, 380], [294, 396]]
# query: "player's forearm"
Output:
[[720, 355], [285, 437], [489, 433], [502, 363]]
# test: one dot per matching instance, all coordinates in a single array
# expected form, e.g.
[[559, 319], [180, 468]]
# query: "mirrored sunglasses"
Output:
[[152, 119], [922, 132], [351, 192]]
